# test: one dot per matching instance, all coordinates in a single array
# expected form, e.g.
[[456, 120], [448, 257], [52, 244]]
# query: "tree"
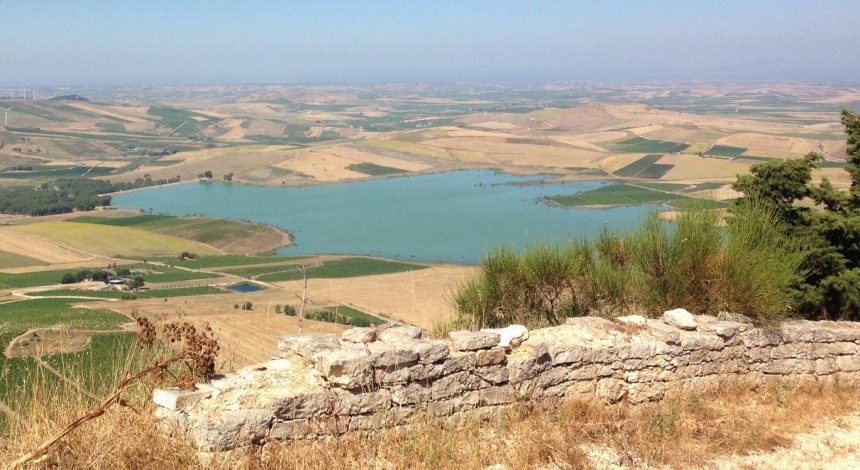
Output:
[[135, 282], [831, 235]]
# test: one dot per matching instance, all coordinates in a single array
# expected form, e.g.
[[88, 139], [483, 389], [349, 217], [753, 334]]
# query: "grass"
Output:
[[617, 195], [725, 151], [46, 278], [347, 267], [56, 172], [373, 169], [15, 260], [118, 221], [32, 279], [111, 241]]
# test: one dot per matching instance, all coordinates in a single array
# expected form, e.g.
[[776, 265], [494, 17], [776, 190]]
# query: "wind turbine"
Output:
[[6, 122]]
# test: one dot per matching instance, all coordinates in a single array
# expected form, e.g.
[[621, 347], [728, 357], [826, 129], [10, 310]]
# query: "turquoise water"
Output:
[[443, 217]]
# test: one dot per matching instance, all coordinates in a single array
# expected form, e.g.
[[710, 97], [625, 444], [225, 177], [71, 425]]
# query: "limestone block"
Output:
[[459, 362], [679, 318], [291, 403], [488, 357], [496, 395], [397, 333], [309, 344], [632, 320], [455, 384], [359, 403], [590, 323], [410, 394], [391, 354], [473, 340], [664, 332], [176, 399], [422, 372], [494, 374], [222, 430], [393, 375], [566, 354], [797, 331], [510, 336], [759, 337], [346, 368], [359, 335], [611, 390], [525, 369], [431, 350], [848, 363], [825, 366]]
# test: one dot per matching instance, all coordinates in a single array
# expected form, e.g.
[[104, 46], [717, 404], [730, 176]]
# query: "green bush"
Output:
[[289, 310], [698, 263]]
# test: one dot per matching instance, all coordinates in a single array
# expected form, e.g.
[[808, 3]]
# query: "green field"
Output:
[[373, 169], [645, 167], [55, 172], [642, 145], [14, 260], [725, 151], [625, 194], [664, 186], [345, 315], [46, 278], [144, 294], [118, 221], [224, 261], [347, 267]]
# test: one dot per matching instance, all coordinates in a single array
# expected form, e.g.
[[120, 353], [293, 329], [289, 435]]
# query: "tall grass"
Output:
[[707, 261]]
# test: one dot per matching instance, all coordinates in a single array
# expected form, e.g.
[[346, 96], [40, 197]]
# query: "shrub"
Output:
[[290, 310], [698, 263]]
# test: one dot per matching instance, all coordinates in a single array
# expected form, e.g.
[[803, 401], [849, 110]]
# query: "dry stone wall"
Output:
[[368, 380]]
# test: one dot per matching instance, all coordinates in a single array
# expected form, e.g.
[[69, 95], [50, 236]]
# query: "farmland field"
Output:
[[348, 267], [646, 167], [643, 145], [144, 294], [373, 169], [15, 260], [112, 240], [725, 151], [616, 194]]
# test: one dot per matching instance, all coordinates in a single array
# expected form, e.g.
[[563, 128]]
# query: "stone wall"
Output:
[[369, 380]]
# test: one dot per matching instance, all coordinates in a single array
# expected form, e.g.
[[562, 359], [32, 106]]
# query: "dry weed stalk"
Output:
[[198, 353]]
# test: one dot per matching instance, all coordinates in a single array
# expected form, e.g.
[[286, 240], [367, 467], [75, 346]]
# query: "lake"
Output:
[[443, 217]]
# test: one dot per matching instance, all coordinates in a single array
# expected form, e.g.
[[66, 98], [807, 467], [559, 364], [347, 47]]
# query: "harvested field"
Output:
[[14, 260], [15, 241], [112, 241], [419, 298]]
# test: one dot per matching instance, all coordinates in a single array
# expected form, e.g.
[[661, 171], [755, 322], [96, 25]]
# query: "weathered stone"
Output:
[[566, 354], [494, 374], [496, 395], [473, 340], [431, 350], [391, 355], [632, 320], [458, 363], [510, 336], [664, 332], [611, 390], [522, 370], [309, 344], [488, 357], [759, 337], [397, 333], [346, 368], [359, 335], [679, 318], [223, 430], [455, 384], [291, 403], [350, 403], [590, 323], [177, 399], [723, 329]]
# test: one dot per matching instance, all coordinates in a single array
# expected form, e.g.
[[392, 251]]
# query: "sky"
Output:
[[151, 42]]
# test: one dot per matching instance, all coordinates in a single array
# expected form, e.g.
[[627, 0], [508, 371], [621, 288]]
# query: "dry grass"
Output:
[[688, 430]]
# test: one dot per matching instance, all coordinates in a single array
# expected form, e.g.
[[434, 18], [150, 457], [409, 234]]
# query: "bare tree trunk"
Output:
[[304, 296]]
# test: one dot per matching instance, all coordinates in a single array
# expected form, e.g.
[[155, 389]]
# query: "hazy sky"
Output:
[[44, 42]]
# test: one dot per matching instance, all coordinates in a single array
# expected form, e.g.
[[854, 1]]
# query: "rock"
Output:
[[391, 355], [723, 329], [395, 333], [489, 357], [176, 399], [632, 320], [224, 430], [309, 344], [430, 350], [510, 336], [473, 340], [679, 318], [359, 335], [348, 369]]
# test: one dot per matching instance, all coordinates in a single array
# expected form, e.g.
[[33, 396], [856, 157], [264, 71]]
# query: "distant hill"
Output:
[[70, 98]]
